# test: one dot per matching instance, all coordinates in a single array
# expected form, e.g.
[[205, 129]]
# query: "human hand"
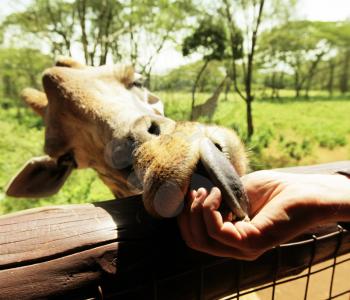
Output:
[[282, 206]]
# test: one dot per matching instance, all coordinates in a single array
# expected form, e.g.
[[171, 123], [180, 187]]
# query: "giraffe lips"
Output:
[[223, 175], [171, 165], [166, 198]]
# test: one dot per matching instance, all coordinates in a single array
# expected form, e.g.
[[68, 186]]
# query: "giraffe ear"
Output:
[[36, 100], [39, 177]]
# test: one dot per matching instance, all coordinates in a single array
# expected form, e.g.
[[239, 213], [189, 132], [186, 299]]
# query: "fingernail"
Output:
[[199, 193]]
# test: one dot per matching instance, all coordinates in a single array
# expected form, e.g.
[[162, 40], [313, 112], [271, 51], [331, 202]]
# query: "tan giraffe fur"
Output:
[[97, 117]]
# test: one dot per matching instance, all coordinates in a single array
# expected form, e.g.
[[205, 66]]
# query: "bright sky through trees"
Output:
[[323, 10]]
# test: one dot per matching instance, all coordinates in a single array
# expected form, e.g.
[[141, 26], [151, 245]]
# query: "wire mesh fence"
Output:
[[289, 277], [308, 274], [115, 250]]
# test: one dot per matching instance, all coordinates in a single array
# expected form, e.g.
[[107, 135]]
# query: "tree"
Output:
[[183, 77], [341, 33], [209, 38], [99, 25], [87, 24], [102, 30], [44, 22], [253, 12], [299, 46], [20, 68], [344, 79]]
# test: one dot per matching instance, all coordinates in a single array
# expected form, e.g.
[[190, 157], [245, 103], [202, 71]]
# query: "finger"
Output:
[[193, 229], [226, 232], [212, 217], [196, 221], [205, 243], [184, 218]]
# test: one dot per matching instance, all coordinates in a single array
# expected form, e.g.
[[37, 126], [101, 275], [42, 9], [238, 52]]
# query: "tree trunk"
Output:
[[297, 86], [307, 89], [227, 89], [7, 89], [311, 73], [273, 85], [194, 87], [249, 75], [81, 4], [250, 126], [249, 96], [330, 83], [344, 79], [104, 43], [280, 84]]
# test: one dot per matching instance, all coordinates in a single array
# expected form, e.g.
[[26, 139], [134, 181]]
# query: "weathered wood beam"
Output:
[[115, 250]]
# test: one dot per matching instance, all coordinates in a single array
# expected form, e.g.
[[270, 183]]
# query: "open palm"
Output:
[[282, 206]]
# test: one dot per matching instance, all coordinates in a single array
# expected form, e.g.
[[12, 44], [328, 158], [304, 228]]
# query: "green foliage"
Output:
[[292, 54], [261, 140], [208, 38], [297, 150], [43, 22], [22, 141], [182, 78], [292, 36], [236, 44], [330, 140], [307, 52], [287, 133], [20, 68], [336, 33], [101, 29]]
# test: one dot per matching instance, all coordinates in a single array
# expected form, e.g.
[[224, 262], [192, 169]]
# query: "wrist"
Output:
[[336, 201]]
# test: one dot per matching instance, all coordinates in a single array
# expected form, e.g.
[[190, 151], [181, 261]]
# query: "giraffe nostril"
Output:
[[154, 129]]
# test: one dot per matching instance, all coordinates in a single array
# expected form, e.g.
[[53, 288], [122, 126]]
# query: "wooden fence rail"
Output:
[[114, 250]]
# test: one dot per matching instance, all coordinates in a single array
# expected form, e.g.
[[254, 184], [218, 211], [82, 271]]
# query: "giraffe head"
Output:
[[102, 118]]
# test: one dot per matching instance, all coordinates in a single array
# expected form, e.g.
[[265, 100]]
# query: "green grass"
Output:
[[20, 142], [286, 133]]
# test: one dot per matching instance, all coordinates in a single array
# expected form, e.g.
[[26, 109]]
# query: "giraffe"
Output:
[[209, 106], [103, 118]]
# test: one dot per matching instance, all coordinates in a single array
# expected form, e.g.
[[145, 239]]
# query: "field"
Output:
[[288, 132]]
